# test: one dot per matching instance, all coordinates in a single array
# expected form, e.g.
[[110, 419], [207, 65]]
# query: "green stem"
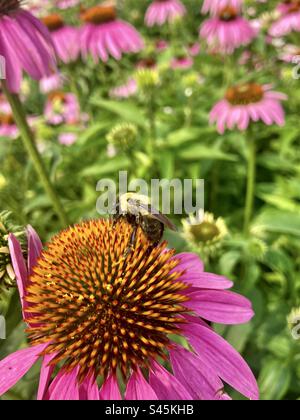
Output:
[[250, 184], [29, 143]]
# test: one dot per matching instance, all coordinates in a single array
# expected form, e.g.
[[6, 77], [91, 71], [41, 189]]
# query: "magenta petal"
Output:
[[139, 389], [89, 390], [18, 266], [206, 281], [110, 390], [215, 352], [166, 386], [65, 387], [200, 380], [15, 366], [220, 306], [190, 262], [34, 247], [45, 376]]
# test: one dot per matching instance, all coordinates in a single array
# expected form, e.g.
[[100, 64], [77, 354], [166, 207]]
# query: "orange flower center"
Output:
[[53, 22], [99, 14], [57, 95], [7, 119], [103, 309], [245, 94], [295, 7], [228, 14]]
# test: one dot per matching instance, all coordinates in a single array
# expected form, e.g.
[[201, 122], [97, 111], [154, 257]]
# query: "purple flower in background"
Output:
[[66, 38], [182, 63], [91, 313], [288, 22], [248, 102], [103, 34], [130, 88], [62, 108], [25, 44], [215, 6], [227, 31], [162, 11]]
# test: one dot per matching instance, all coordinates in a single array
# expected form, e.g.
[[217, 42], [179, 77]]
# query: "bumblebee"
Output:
[[138, 212]]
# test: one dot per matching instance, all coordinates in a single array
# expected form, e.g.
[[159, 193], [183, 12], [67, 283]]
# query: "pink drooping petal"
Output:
[[110, 389], [19, 267], [15, 366], [138, 388], [88, 390], [65, 386], [45, 377], [35, 247], [216, 353], [165, 385], [13, 66], [200, 380], [220, 306]]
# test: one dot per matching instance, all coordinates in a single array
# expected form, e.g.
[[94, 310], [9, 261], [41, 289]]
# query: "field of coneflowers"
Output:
[[106, 307]]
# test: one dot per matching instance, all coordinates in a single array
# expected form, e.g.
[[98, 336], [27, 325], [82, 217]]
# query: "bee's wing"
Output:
[[155, 214]]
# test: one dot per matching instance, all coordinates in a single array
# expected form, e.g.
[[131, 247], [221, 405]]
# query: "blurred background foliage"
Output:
[[174, 140]]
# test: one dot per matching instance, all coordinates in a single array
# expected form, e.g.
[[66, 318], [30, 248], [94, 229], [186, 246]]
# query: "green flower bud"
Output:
[[123, 136]]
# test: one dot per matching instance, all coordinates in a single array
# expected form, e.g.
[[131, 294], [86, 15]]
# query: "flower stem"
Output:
[[29, 143], [250, 184]]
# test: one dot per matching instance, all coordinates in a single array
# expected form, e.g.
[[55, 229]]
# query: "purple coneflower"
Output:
[[288, 22], [162, 11], [248, 102], [66, 4], [66, 38], [126, 90], [62, 108], [182, 62], [25, 44], [94, 311], [227, 31], [103, 34], [215, 6], [52, 83]]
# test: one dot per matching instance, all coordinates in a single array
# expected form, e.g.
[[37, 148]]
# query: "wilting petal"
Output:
[[110, 389], [15, 366], [215, 352], [138, 388], [166, 386], [65, 387], [200, 381], [220, 306]]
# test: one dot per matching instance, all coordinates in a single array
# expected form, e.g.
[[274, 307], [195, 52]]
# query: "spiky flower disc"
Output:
[[99, 309]]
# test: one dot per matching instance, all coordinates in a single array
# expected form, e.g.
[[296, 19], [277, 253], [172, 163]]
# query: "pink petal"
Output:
[[220, 306], [110, 390], [138, 388], [45, 376], [15, 366], [166, 386], [215, 352], [200, 380], [65, 387], [34, 247]]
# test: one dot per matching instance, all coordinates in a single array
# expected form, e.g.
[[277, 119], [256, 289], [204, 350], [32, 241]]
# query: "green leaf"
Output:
[[198, 151], [274, 379], [105, 168], [127, 111], [275, 221]]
